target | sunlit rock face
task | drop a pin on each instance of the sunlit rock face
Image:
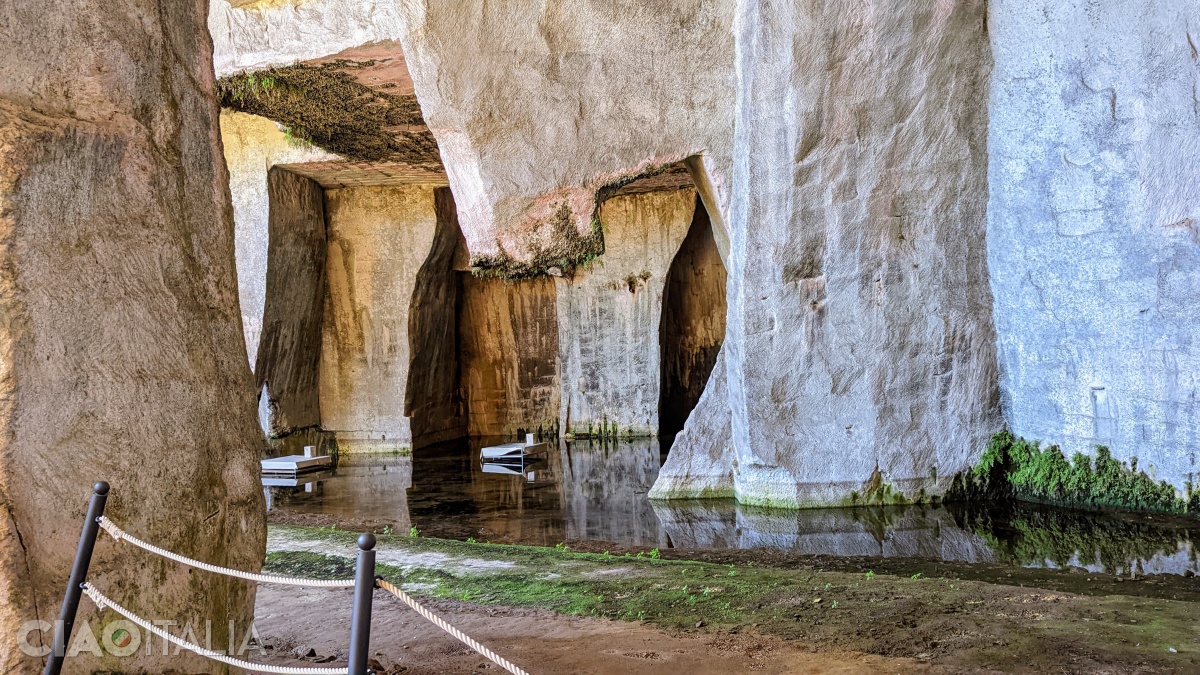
(537, 105)
(859, 334)
(252, 146)
(258, 33)
(1094, 246)
(120, 352)
(378, 238)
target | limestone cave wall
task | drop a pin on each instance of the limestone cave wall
(508, 342)
(537, 105)
(121, 357)
(1093, 241)
(434, 400)
(860, 339)
(252, 145)
(608, 316)
(378, 240)
(288, 363)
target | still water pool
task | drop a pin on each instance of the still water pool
(596, 492)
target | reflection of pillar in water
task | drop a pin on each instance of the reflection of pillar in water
(696, 524)
(604, 489)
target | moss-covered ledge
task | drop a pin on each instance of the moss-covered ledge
(325, 105)
(569, 249)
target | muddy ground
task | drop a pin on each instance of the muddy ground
(562, 611)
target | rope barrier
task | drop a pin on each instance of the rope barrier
(103, 602)
(121, 535)
(440, 623)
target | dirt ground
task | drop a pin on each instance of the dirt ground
(296, 620)
(557, 610)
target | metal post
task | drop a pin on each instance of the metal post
(364, 589)
(79, 570)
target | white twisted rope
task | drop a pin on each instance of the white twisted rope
(440, 623)
(121, 535)
(103, 602)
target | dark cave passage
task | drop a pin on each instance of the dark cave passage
(693, 323)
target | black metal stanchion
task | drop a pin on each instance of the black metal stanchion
(364, 589)
(79, 570)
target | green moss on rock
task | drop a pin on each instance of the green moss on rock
(1013, 467)
(324, 104)
(569, 249)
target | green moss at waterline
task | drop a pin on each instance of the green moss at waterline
(1014, 468)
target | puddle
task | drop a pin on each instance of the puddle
(596, 492)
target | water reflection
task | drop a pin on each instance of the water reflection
(597, 492)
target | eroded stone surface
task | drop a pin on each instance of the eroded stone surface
(266, 33)
(120, 354)
(1094, 247)
(609, 316)
(536, 106)
(288, 363)
(859, 335)
(252, 146)
(379, 237)
(509, 356)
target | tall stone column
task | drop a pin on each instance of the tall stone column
(121, 356)
(860, 349)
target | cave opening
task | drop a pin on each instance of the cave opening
(484, 350)
(692, 323)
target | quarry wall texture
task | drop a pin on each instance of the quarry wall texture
(288, 364)
(536, 105)
(1093, 234)
(938, 219)
(859, 346)
(121, 357)
(252, 146)
(378, 239)
(609, 315)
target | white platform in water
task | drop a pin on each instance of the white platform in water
(518, 449)
(293, 464)
(275, 479)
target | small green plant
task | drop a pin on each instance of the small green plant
(387, 529)
(413, 532)
(917, 576)
(471, 540)
(654, 554)
(834, 605)
(561, 546)
(870, 575)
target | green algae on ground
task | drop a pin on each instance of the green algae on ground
(946, 620)
(1014, 468)
(323, 104)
